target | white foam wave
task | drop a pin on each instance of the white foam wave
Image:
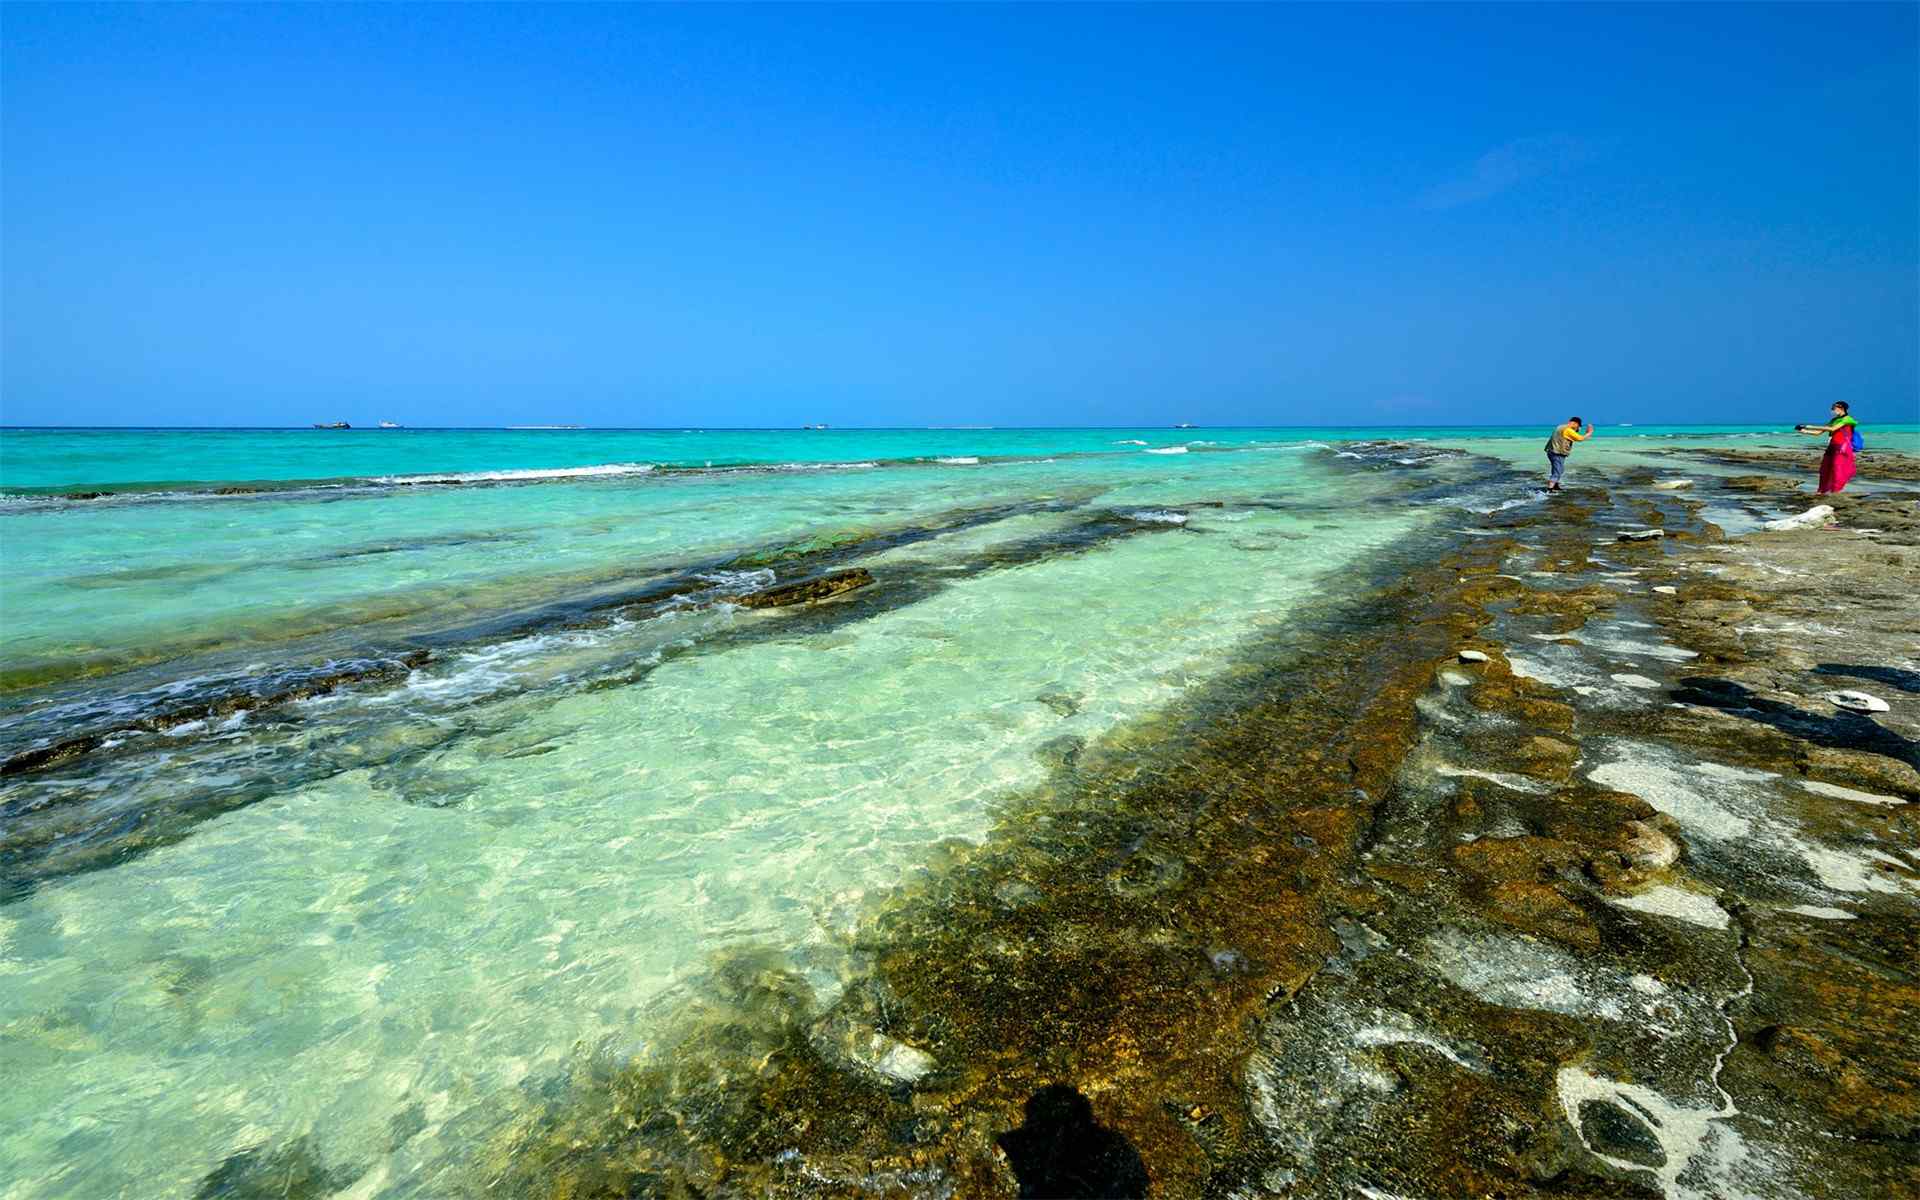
(521, 474)
(1166, 449)
(1504, 505)
(1158, 516)
(958, 461)
(1129, 442)
(738, 581)
(727, 586)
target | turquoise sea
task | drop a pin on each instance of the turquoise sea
(360, 781)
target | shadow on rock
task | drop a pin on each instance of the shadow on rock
(1900, 677)
(1062, 1152)
(1844, 731)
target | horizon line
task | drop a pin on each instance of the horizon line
(865, 428)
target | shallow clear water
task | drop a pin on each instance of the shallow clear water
(368, 914)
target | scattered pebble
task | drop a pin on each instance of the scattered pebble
(1666, 589)
(1641, 535)
(1673, 485)
(1472, 656)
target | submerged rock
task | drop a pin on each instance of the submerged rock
(217, 708)
(868, 1050)
(820, 587)
(290, 1172)
(1611, 1130)
(48, 756)
(1064, 703)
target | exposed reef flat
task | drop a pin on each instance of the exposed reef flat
(1875, 465)
(1617, 903)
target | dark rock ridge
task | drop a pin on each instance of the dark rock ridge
(804, 591)
(216, 709)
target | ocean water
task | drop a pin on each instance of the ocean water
(398, 771)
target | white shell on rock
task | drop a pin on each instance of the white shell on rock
(1641, 535)
(1667, 590)
(1472, 656)
(1817, 515)
(1858, 702)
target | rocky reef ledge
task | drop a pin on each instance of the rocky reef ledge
(1563, 865)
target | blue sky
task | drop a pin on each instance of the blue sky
(473, 215)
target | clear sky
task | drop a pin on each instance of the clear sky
(471, 215)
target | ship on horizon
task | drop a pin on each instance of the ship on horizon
(331, 425)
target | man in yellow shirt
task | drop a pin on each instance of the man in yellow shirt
(1559, 446)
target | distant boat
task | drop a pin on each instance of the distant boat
(390, 425)
(813, 427)
(332, 425)
(1184, 425)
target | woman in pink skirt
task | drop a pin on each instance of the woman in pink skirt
(1836, 466)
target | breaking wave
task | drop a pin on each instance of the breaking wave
(527, 474)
